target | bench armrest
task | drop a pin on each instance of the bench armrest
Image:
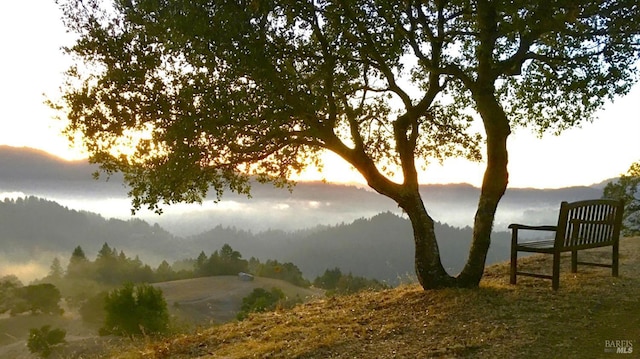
(515, 227)
(533, 228)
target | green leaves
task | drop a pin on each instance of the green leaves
(627, 188)
(44, 340)
(134, 310)
(187, 97)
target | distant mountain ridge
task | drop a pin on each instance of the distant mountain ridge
(353, 228)
(379, 247)
(20, 163)
(29, 164)
(37, 173)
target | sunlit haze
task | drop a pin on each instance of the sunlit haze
(31, 35)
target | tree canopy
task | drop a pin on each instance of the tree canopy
(185, 97)
(627, 188)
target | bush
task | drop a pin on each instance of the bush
(260, 300)
(42, 341)
(135, 310)
(38, 298)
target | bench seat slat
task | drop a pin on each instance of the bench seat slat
(536, 246)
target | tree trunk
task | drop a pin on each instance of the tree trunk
(494, 184)
(429, 270)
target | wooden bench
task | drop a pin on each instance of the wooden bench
(581, 225)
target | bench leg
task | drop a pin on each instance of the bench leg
(616, 259)
(574, 261)
(514, 266)
(555, 279)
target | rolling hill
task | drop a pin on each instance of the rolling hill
(496, 320)
(192, 303)
(215, 300)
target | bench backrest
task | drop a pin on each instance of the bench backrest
(591, 223)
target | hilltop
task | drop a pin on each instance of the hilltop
(497, 320)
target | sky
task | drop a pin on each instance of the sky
(31, 66)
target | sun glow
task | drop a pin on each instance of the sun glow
(33, 65)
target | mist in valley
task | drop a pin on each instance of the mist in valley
(273, 222)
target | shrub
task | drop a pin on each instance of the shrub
(135, 310)
(38, 298)
(260, 300)
(42, 341)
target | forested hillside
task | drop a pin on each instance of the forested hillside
(379, 247)
(30, 225)
(34, 173)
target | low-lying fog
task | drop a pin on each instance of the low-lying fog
(308, 206)
(289, 213)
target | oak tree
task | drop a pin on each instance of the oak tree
(627, 188)
(187, 97)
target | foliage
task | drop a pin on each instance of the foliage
(337, 283)
(627, 188)
(329, 280)
(386, 85)
(8, 292)
(42, 341)
(224, 262)
(56, 271)
(37, 298)
(260, 300)
(287, 272)
(109, 267)
(497, 320)
(164, 272)
(135, 310)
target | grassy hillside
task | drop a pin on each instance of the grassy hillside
(191, 302)
(495, 321)
(211, 300)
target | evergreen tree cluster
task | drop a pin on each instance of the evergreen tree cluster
(224, 262)
(228, 261)
(113, 268)
(287, 272)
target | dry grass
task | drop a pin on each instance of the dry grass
(495, 321)
(217, 299)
